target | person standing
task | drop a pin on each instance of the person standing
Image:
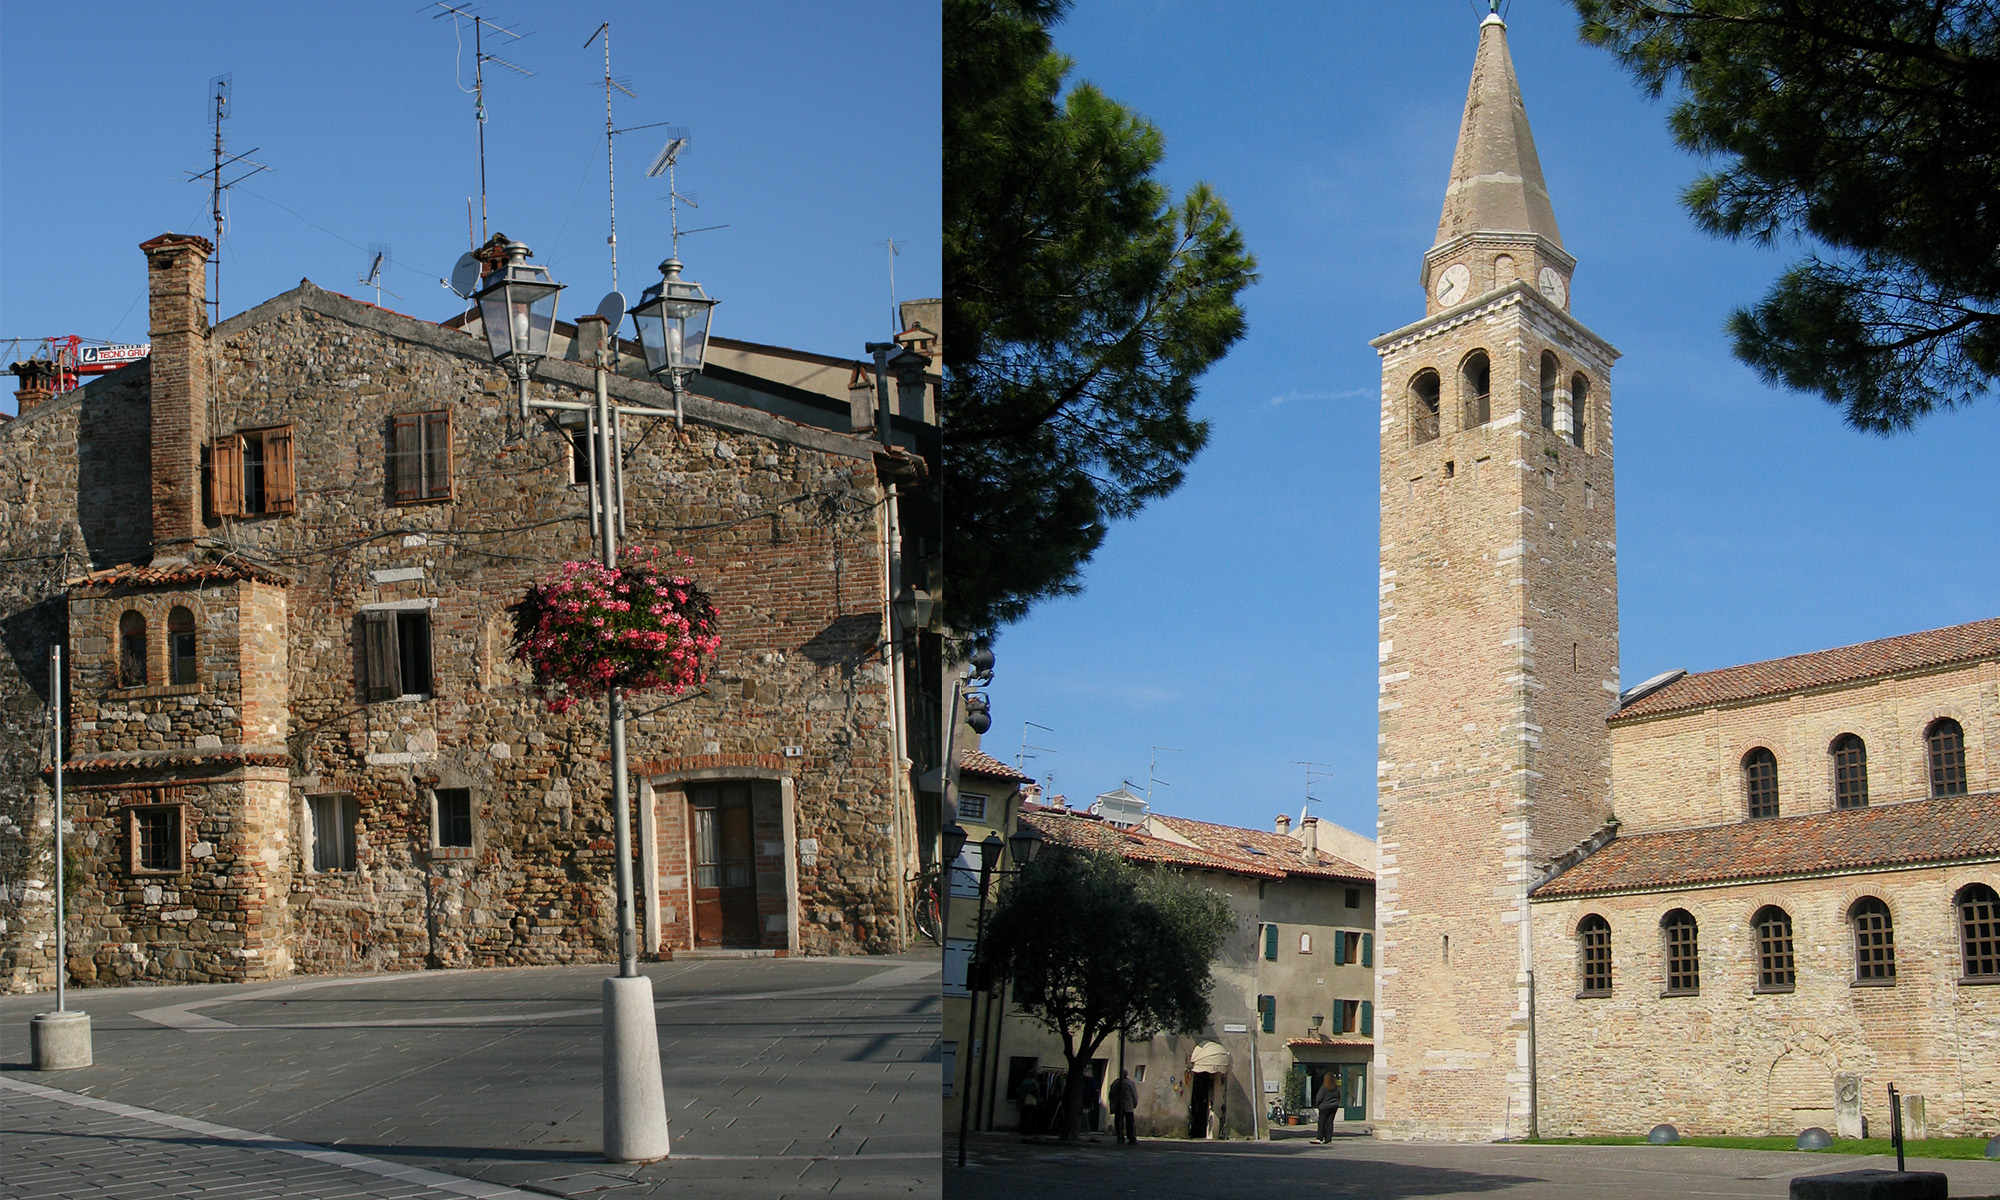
(1124, 1099)
(1327, 1101)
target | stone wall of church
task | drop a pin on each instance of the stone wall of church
(1686, 769)
(1732, 1059)
(1498, 633)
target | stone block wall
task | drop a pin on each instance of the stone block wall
(1734, 1060)
(1686, 769)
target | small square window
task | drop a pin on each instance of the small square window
(1354, 897)
(420, 457)
(454, 818)
(154, 836)
(251, 472)
(396, 654)
(971, 806)
(333, 821)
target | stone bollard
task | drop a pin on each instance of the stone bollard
(1847, 1120)
(59, 1041)
(1915, 1127)
(1872, 1185)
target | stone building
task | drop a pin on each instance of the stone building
(1294, 984)
(1714, 900)
(281, 554)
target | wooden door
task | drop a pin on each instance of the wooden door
(723, 848)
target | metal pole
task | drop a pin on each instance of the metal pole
(1534, 1081)
(628, 947)
(971, 1026)
(55, 724)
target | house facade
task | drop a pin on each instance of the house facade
(280, 556)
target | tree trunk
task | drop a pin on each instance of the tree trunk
(1073, 1094)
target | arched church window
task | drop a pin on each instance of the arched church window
(1979, 931)
(1946, 743)
(1760, 783)
(180, 646)
(1775, 966)
(1874, 941)
(1683, 955)
(1551, 373)
(1475, 385)
(1425, 393)
(1850, 772)
(131, 650)
(1593, 956)
(1579, 406)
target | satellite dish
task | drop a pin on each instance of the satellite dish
(465, 275)
(612, 309)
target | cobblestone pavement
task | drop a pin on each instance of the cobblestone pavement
(1002, 1166)
(784, 1077)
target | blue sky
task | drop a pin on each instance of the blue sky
(815, 131)
(1236, 620)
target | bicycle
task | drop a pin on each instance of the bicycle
(925, 906)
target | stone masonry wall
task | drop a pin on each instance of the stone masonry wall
(1498, 638)
(1686, 769)
(1732, 1060)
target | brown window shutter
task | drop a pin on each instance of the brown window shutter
(437, 455)
(381, 667)
(280, 493)
(406, 457)
(225, 476)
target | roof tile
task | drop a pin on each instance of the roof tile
(1263, 844)
(978, 762)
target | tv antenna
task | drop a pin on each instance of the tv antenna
(1316, 772)
(895, 312)
(219, 90)
(1021, 759)
(479, 60)
(663, 164)
(610, 137)
(378, 257)
(1153, 772)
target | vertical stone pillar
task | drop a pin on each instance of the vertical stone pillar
(1847, 1120)
(177, 299)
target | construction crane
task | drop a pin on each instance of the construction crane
(62, 360)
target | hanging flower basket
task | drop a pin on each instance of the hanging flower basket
(641, 626)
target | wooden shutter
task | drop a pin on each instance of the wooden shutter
(1271, 943)
(1267, 1008)
(280, 492)
(437, 455)
(1367, 949)
(1368, 1018)
(406, 457)
(225, 476)
(381, 666)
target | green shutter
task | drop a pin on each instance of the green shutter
(1271, 943)
(1267, 1006)
(1367, 949)
(1367, 1018)
(1339, 949)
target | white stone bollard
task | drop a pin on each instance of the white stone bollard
(59, 1041)
(635, 1102)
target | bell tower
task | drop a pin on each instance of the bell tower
(1499, 626)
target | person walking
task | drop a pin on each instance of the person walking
(1327, 1101)
(1124, 1099)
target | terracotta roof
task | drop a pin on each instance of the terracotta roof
(1082, 831)
(1264, 845)
(978, 762)
(134, 575)
(1822, 668)
(150, 760)
(1914, 833)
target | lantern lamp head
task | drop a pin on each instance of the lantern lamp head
(517, 308)
(673, 318)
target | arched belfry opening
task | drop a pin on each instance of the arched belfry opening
(1475, 381)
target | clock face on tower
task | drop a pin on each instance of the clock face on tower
(1453, 284)
(1552, 287)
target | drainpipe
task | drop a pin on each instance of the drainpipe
(892, 539)
(1534, 1084)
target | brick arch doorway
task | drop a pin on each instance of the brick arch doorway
(719, 858)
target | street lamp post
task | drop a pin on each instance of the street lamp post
(517, 311)
(1022, 846)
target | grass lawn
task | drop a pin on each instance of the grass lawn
(1966, 1147)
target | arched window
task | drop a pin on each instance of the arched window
(1551, 372)
(1579, 405)
(1774, 949)
(1874, 941)
(1683, 955)
(180, 646)
(1979, 931)
(1476, 387)
(1424, 393)
(1593, 956)
(1760, 783)
(1305, 943)
(1850, 772)
(1946, 742)
(131, 650)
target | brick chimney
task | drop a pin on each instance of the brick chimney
(177, 301)
(38, 383)
(1284, 824)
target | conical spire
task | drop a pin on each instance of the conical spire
(1496, 179)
